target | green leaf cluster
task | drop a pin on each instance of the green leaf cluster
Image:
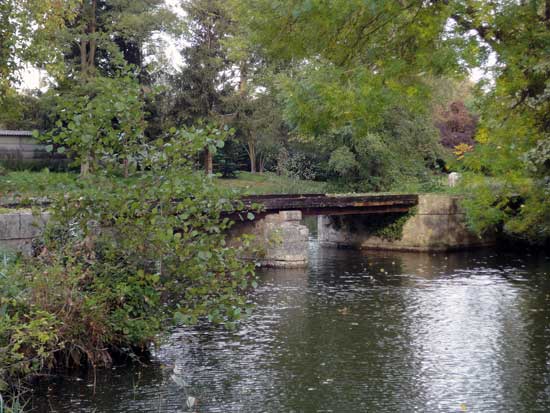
(99, 122)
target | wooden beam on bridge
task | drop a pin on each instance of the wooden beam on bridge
(321, 204)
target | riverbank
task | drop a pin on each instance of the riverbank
(111, 275)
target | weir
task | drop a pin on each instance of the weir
(430, 223)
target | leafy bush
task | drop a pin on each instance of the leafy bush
(403, 147)
(342, 161)
(297, 165)
(230, 159)
(119, 262)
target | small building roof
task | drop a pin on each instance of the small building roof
(7, 132)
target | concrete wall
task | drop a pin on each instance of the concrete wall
(438, 225)
(19, 228)
(280, 239)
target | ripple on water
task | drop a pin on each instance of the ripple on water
(355, 332)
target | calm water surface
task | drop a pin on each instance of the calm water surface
(356, 332)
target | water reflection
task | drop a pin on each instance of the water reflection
(356, 332)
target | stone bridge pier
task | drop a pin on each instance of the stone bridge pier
(280, 240)
(436, 223)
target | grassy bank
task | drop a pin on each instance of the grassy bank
(25, 184)
(270, 183)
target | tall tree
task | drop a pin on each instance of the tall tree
(103, 41)
(108, 34)
(205, 77)
(352, 59)
(7, 40)
(257, 119)
(351, 62)
(514, 133)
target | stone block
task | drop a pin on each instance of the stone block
(32, 226)
(18, 229)
(17, 245)
(438, 205)
(280, 239)
(10, 226)
(290, 215)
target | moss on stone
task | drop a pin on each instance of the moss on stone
(390, 227)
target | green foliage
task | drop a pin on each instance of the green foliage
(7, 41)
(356, 59)
(26, 184)
(24, 25)
(343, 162)
(121, 260)
(390, 227)
(230, 159)
(296, 164)
(358, 77)
(203, 81)
(257, 119)
(99, 121)
(403, 151)
(109, 34)
(508, 174)
(21, 112)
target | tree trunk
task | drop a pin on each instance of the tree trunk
(87, 67)
(85, 165)
(252, 155)
(83, 60)
(252, 165)
(243, 81)
(208, 162)
(88, 44)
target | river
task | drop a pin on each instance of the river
(355, 332)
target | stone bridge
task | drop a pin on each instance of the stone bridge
(427, 223)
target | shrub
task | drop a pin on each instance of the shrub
(119, 264)
(296, 165)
